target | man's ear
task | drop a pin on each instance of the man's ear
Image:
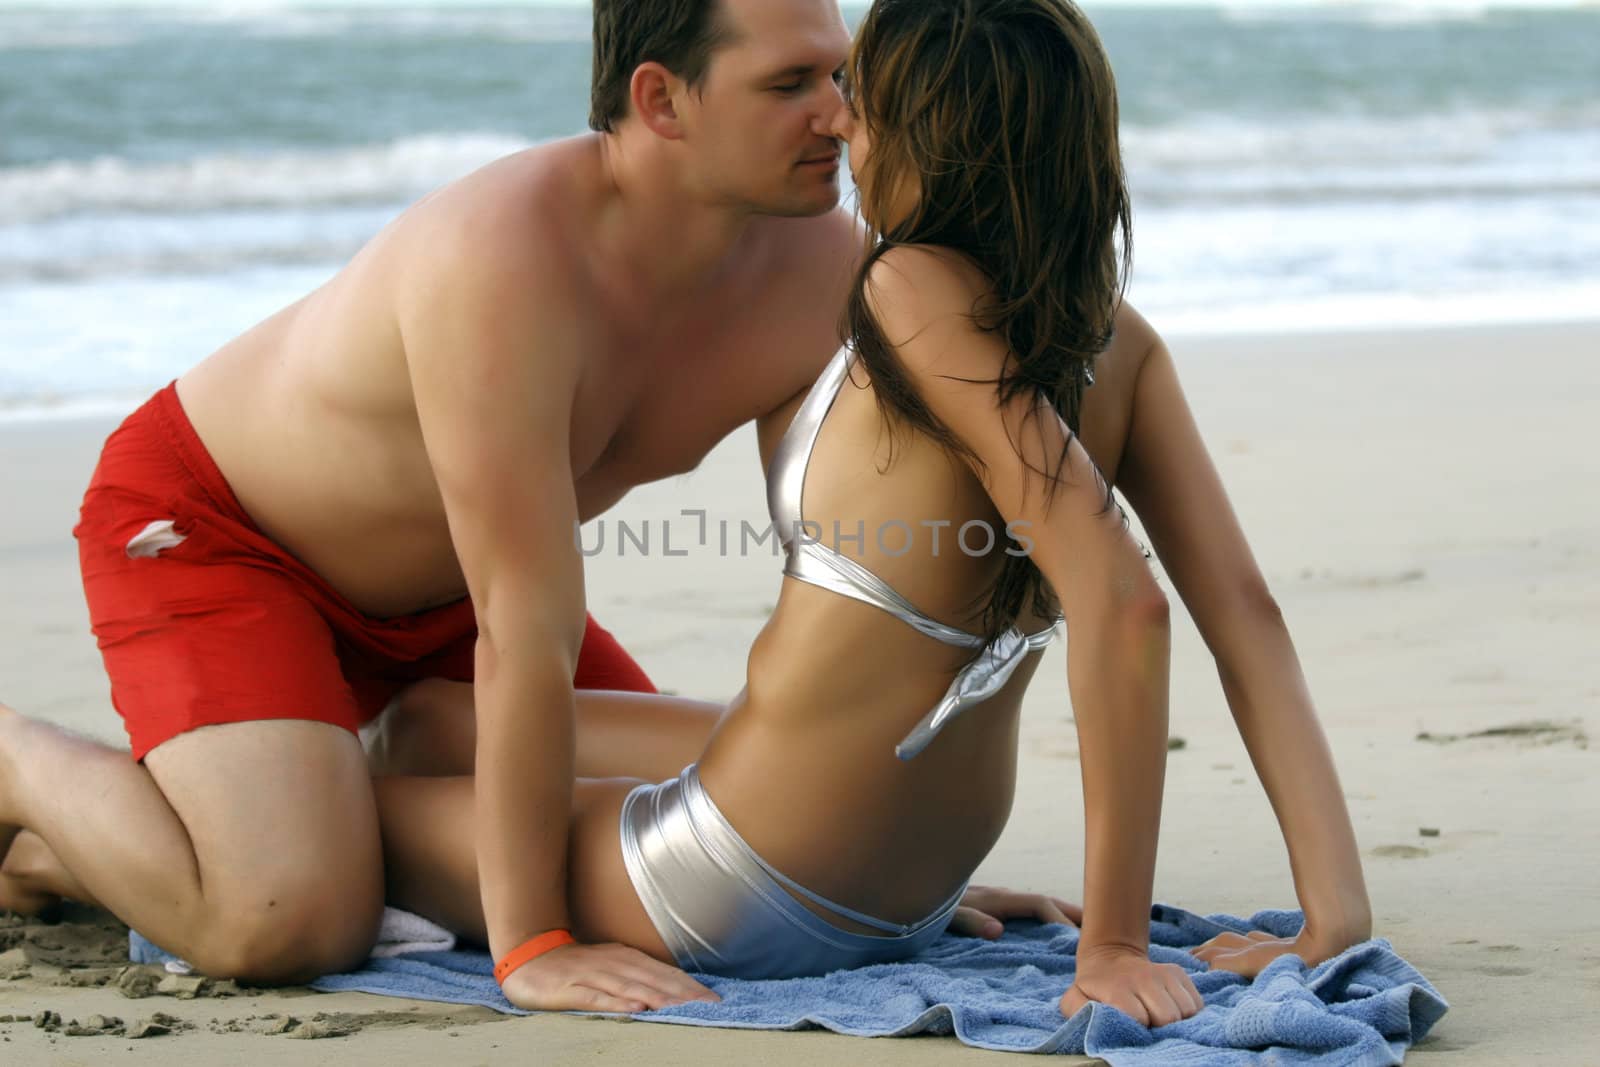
(655, 92)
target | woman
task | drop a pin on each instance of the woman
(833, 819)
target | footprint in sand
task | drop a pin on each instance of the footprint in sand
(1432, 1043)
(1364, 580)
(1479, 677)
(1404, 852)
(1504, 972)
(1537, 731)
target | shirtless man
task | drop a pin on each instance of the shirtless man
(273, 547)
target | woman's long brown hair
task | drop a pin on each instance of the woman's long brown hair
(1002, 115)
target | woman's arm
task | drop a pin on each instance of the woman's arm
(1117, 616)
(1169, 479)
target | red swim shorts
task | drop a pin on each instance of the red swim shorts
(202, 619)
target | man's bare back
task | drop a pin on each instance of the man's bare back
(312, 418)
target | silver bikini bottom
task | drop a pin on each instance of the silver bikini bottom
(721, 909)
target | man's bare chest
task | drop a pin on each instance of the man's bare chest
(666, 387)
(645, 420)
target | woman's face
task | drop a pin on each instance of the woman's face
(850, 127)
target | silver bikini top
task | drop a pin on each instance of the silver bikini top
(811, 561)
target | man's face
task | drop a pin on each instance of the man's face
(762, 124)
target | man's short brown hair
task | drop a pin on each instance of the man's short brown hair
(681, 35)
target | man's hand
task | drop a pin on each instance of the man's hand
(984, 910)
(611, 978)
(1248, 954)
(1154, 994)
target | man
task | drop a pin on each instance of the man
(270, 549)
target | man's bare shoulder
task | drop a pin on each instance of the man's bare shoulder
(516, 216)
(484, 275)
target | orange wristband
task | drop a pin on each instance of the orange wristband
(531, 949)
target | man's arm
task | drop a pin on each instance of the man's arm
(1170, 480)
(494, 366)
(1116, 614)
(494, 389)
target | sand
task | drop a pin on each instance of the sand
(1424, 505)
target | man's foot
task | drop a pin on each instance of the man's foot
(26, 863)
(24, 868)
(8, 829)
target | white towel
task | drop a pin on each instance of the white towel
(402, 932)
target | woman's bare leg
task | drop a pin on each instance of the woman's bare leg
(432, 869)
(422, 755)
(431, 731)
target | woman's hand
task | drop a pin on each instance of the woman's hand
(984, 909)
(1153, 994)
(1249, 954)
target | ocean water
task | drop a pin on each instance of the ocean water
(167, 178)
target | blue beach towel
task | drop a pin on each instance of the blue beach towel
(1363, 1008)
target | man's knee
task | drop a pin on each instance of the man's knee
(292, 935)
(288, 880)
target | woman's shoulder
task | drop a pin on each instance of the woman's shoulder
(924, 276)
(1132, 333)
(923, 299)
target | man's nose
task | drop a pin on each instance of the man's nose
(836, 123)
(831, 101)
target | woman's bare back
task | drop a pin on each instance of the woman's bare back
(804, 764)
